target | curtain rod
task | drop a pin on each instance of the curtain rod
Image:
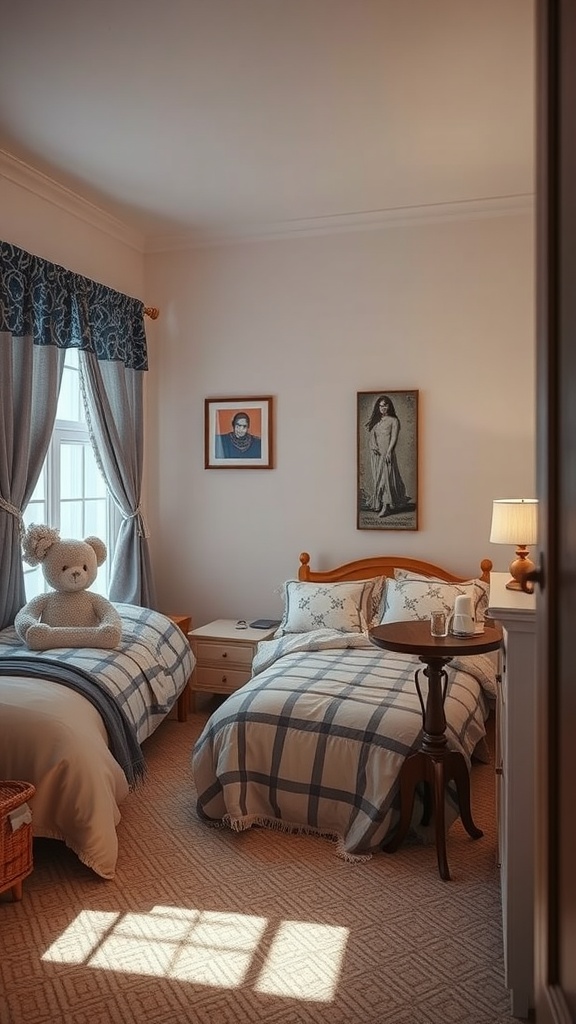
(152, 312)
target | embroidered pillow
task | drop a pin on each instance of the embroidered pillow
(347, 607)
(415, 599)
(481, 596)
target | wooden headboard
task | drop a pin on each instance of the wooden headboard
(380, 565)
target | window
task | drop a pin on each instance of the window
(71, 493)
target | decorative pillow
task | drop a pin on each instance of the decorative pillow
(347, 607)
(373, 599)
(481, 600)
(415, 599)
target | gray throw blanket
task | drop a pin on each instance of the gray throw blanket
(121, 737)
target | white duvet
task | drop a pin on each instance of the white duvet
(57, 741)
(55, 738)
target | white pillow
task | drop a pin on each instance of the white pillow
(415, 599)
(481, 600)
(347, 607)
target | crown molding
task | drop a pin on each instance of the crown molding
(371, 220)
(39, 184)
(51, 191)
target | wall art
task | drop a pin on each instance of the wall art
(238, 433)
(387, 462)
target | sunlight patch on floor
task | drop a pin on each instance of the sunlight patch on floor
(303, 960)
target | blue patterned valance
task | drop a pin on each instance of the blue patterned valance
(57, 307)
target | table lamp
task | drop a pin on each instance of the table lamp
(515, 521)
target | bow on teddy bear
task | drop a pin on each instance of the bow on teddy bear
(72, 616)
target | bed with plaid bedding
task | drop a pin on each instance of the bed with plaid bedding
(315, 741)
(55, 737)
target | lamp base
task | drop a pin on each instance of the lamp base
(513, 585)
(519, 568)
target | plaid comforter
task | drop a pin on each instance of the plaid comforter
(315, 741)
(144, 675)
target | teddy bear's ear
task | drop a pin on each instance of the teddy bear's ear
(37, 542)
(99, 548)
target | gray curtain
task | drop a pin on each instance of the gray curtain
(113, 396)
(27, 371)
(45, 309)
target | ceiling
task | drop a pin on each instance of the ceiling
(194, 117)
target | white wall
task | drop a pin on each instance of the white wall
(446, 308)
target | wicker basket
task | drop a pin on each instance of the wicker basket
(15, 846)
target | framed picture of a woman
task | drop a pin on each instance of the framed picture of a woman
(238, 433)
(387, 491)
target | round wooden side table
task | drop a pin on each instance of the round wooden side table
(433, 763)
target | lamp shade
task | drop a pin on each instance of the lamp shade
(514, 521)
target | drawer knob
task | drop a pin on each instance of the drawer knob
(224, 680)
(225, 654)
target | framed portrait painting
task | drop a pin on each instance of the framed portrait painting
(387, 488)
(238, 433)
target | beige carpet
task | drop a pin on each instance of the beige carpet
(207, 926)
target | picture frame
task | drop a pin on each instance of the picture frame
(238, 433)
(387, 460)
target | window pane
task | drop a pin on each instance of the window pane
(71, 470)
(70, 405)
(35, 513)
(95, 485)
(96, 517)
(34, 582)
(40, 489)
(72, 519)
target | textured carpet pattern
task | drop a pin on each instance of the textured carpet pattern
(207, 926)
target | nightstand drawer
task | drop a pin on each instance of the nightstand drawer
(239, 654)
(218, 680)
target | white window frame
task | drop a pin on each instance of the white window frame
(46, 503)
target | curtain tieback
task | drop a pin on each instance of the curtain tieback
(13, 511)
(142, 525)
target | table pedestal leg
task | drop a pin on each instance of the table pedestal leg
(434, 765)
(457, 769)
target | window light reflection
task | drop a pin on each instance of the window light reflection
(304, 959)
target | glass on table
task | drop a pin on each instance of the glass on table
(438, 624)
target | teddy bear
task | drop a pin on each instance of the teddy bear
(71, 616)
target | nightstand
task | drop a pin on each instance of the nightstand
(185, 698)
(223, 655)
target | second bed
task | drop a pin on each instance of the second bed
(315, 740)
